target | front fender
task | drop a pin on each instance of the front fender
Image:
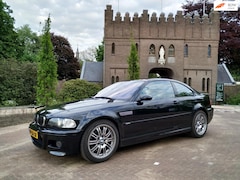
(99, 114)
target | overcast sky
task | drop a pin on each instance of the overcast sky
(82, 21)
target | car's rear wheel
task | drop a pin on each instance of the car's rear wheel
(99, 142)
(199, 124)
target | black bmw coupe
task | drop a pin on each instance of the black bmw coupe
(122, 114)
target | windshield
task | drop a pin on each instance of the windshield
(120, 90)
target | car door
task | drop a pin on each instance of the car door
(185, 100)
(150, 116)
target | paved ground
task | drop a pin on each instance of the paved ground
(216, 156)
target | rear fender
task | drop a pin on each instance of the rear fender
(198, 107)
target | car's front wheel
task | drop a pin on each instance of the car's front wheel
(199, 124)
(99, 142)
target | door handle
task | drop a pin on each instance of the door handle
(175, 102)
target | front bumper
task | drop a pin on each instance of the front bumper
(56, 142)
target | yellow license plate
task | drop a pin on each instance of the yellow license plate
(33, 133)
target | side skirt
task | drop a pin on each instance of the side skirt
(152, 136)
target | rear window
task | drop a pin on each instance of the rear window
(182, 90)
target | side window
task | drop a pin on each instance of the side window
(182, 90)
(158, 90)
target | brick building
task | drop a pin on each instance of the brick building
(181, 47)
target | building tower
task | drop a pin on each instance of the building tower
(77, 54)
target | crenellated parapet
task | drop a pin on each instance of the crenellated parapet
(146, 26)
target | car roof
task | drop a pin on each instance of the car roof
(159, 79)
(153, 79)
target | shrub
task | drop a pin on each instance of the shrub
(9, 103)
(77, 89)
(18, 80)
(234, 100)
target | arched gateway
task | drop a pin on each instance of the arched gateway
(161, 72)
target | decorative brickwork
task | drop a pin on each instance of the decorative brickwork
(181, 47)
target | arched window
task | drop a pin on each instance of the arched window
(209, 50)
(186, 50)
(171, 51)
(189, 81)
(203, 84)
(113, 48)
(117, 79)
(185, 80)
(208, 84)
(136, 46)
(152, 49)
(113, 79)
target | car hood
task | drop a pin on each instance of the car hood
(80, 107)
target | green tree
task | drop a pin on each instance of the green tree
(68, 65)
(133, 63)
(9, 44)
(30, 42)
(47, 69)
(100, 52)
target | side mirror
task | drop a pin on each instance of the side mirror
(144, 98)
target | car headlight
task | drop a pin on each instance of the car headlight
(62, 123)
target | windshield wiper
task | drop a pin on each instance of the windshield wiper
(102, 97)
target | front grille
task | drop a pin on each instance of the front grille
(40, 120)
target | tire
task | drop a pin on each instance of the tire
(99, 141)
(199, 124)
